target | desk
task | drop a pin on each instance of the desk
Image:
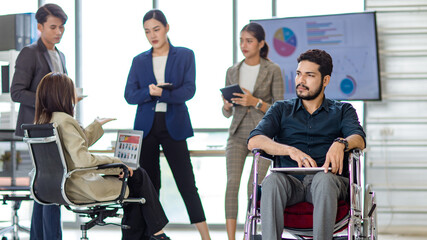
(193, 153)
(8, 135)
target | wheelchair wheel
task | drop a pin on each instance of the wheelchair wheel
(251, 223)
(370, 214)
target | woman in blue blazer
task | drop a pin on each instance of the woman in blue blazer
(160, 81)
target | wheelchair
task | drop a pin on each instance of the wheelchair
(358, 216)
(51, 174)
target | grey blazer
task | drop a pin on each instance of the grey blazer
(32, 64)
(269, 87)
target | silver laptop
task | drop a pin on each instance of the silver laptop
(128, 147)
(299, 170)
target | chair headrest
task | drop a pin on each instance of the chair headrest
(47, 126)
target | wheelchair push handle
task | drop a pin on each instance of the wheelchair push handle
(257, 150)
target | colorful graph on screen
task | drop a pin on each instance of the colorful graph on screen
(325, 33)
(285, 42)
(289, 81)
(349, 38)
(348, 85)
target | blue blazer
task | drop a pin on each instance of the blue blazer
(181, 72)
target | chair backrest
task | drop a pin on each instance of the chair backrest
(47, 186)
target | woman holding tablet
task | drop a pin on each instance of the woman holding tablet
(162, 113)
(262, 83)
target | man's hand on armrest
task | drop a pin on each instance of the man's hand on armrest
(335, 157)
(335, 154)
(274, 148)
(355, 141)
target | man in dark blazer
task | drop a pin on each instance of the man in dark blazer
(33, 63)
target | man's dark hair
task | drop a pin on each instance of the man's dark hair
(50, 9)
(156, 14)
(320, 57)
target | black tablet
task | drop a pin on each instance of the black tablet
(168, 86)
(228, 91)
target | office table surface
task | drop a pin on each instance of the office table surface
(8, 135)
(193, 153)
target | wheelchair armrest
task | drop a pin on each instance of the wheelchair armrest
(356, 151)
(355, 180)
(257, 150)
(354, 165)
(263, 154)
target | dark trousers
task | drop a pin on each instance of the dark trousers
(46, 222)
(178, 158)
(143, 219)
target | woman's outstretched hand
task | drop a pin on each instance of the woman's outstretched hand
(103, 121)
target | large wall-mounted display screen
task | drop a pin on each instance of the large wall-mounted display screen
(351, 39)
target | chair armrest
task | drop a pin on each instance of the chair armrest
(106, 166)
(112, 165)
(47, 126)
(124, 179)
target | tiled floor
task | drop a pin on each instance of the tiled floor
(193, 234)
(114, 233)
(108, 233)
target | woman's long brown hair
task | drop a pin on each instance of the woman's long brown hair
(55, 93)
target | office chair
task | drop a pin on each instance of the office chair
(16, 200)
(51, 175)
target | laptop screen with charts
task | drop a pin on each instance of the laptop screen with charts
(128, 147)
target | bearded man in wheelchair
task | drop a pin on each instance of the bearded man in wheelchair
(307, 132)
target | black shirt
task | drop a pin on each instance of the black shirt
(289, 123)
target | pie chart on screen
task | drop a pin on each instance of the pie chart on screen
(285, 41)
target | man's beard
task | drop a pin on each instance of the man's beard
(310, 96)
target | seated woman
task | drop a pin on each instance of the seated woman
(55, 101)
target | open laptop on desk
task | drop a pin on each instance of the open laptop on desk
(128, 147)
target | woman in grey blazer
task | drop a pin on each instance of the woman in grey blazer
(262, 82)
